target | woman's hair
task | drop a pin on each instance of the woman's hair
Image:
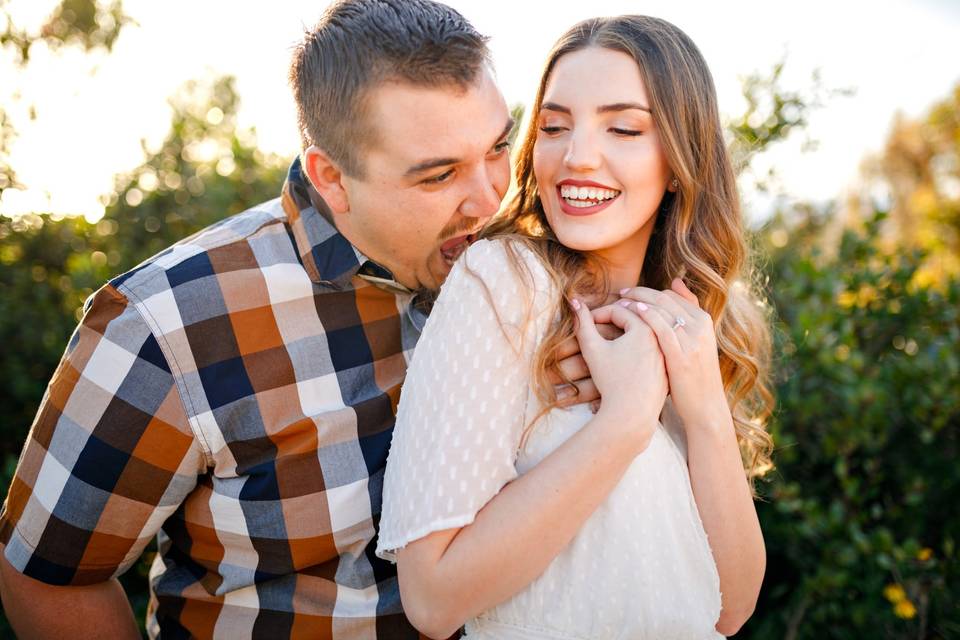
(698, 234)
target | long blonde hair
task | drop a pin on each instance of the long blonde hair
(698, 234)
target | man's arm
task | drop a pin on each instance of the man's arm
(39, 610)
(109, 456)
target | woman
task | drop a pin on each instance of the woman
(624, 187)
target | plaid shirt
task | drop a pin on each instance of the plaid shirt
(234, 396)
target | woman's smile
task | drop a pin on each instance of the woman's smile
(584, 197)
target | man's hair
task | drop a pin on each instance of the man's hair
(360, 44)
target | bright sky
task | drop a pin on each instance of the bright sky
(88, 127)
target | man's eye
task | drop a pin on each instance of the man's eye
(503, 146)
(626, 132)
(443, 177)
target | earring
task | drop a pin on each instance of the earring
(674, 184)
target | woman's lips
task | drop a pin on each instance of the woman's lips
(581, 209)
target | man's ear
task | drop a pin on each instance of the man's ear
(326, 178)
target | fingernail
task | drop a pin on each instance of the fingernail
(624, 303)
(575, 304)
(624, 290)
(641, 306)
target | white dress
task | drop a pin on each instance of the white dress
(640, 567)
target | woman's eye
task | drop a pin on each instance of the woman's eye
(551, 130)
(443, 177)
(626, 132)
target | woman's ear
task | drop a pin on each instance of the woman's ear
(327, 178)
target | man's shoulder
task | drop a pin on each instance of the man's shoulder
(231, 243)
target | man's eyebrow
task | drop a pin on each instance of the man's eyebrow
(433, 163)
(426, 165)
(607, 108)
(511, 123)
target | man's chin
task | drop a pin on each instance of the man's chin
(438, 271)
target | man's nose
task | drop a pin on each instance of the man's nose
(485, 195)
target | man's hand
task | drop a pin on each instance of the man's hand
(38, 610)
(574, 367)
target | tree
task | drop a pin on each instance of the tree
(773, 114)
(920, 169)
(86, 24)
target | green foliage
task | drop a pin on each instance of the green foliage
(205, 170)
(859, 516)
(8, 177)
(920, 169)
(47, 267)
(87, 24)
(772, 115)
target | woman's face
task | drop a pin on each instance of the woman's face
(598, 159)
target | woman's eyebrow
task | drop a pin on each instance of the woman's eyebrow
(553, 106)
(622, 106)
(606, 108)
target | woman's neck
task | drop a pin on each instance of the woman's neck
(623, 263)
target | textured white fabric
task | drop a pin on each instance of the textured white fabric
(640, 567)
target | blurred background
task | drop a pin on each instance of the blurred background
(125, 126)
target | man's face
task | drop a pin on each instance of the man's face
(434, 175)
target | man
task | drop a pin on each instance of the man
(235, 394)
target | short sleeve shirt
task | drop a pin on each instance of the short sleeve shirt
(235, 397)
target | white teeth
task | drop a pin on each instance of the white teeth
(586, 196)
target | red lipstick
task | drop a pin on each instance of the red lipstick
(572, 210)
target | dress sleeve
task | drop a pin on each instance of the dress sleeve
(462, 409)
(109, 457)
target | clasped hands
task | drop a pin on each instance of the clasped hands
(671, 319)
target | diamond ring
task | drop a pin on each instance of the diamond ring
(679, 322)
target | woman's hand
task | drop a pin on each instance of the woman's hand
(688, 341)
(574, 368)
(629, 370)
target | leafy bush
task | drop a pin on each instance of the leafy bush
(860, 515)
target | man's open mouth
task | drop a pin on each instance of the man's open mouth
(452, 248)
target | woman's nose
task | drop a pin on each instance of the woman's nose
(582, 152)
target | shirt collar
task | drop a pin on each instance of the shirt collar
(327, 256)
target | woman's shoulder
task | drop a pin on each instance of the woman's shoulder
(503, 259)
(510, 274)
